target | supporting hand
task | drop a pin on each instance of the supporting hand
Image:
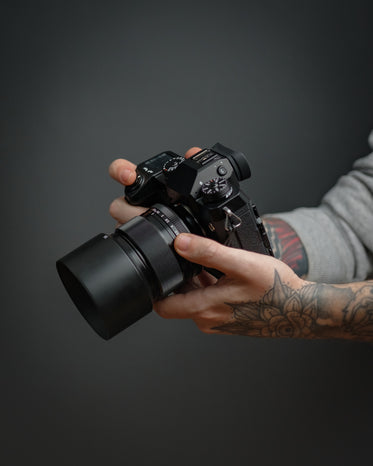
(256, 296)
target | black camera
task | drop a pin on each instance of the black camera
(114, 279)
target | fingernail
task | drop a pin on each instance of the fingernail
(125, 176)
(182, 242)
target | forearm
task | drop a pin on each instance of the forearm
(286, 245)
(337, 234)
(316, 310)
(312, 311)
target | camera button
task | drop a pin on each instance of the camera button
(222, 170)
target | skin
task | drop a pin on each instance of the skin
(258, 295)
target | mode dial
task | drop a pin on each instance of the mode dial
(216, 189)
(172, 164)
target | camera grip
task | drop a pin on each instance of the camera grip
(251, 234)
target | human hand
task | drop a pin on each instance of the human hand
(124, 172)
(258, 295)
(238, 302)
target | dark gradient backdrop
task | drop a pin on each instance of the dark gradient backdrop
(290, 84)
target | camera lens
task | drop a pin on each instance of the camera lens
(113, 279)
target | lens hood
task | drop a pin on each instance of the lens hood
(107, 284)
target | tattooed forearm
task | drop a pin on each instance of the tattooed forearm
(287, 245)
(313, 311)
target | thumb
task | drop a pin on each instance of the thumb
(212, 254)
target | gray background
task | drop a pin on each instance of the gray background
(288, 83)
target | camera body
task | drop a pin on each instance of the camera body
(207, 187)
(114, 279)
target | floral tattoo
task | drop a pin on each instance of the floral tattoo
(308, 312)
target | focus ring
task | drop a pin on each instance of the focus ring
(170, 219)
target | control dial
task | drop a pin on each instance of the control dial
(216, 189)
(172, 164)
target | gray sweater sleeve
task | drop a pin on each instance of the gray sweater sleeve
(338, 235)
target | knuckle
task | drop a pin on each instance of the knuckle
(207, 316)
(162, 313)
(205, 329)
(205, 320)
(200, 311)
(210, 250)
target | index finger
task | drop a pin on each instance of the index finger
(188, 305)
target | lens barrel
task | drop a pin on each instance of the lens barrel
(113, 279)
